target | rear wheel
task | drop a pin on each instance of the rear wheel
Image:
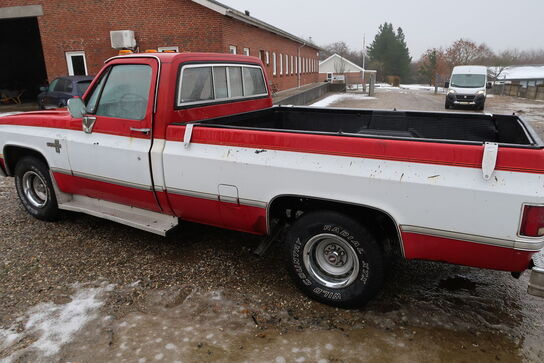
(447, 105)
(35, 188)
(334, 259)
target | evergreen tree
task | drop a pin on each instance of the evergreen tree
(389, 53)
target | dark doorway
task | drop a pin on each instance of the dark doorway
(22, 66)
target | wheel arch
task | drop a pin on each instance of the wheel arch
(381, 221)
(14, 153)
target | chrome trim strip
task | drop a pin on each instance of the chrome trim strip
(61, 171)
(458, 236)
(490, 241)
(210, 196)
(253, 203)
(226, 199)
(191, 193)
(112, 181)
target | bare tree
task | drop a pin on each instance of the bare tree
(340, 65)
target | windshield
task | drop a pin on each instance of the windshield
(468, 80)
(82, 87)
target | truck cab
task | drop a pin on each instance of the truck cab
(467, 87)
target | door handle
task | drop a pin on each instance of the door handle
(143, 131)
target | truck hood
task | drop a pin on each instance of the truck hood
(54, 118)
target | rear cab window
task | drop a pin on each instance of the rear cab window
(210, 83)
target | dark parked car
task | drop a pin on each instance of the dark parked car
(61, 90)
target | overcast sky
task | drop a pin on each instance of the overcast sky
(501, 24)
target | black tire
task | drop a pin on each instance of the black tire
(447, 106)
(325, 230)
(38, 197)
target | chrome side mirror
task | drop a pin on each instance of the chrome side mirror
(76, 107)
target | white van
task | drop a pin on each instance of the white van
(467, 87)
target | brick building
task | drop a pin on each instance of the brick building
(50, 38)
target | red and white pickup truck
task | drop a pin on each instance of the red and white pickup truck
(160, 138)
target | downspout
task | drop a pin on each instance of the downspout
(299, 65)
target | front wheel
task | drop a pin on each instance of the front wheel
(334, 259)
(35, 188)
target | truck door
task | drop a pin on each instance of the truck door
(109, 153)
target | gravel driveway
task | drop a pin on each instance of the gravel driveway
(88, 290)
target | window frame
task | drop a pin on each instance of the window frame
(246, 52)
(233, 49)
(70, 65)
(281, 64)
(181, 105)
(274, 64)
(267, 57)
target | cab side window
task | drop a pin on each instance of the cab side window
(126, 92)
(122, 93)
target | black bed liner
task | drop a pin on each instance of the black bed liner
(424, 126)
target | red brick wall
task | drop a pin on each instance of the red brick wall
(76, 25)
(84, 25)
(243, 36)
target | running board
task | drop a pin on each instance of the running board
(134, 217)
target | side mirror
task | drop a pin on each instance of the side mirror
(43, 89)
(488, 85)
(76, 107)
(447, 85)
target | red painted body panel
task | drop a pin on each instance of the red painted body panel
(219, 214)
(424, 247)
(138, 198)
(3, 164)
(509, 159)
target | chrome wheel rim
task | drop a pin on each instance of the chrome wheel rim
(331, 260)
(35, 189)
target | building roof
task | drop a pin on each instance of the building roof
(328, 65)
(246, 18)
(522, 72)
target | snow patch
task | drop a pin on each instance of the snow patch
(332, 99)
(55, 325)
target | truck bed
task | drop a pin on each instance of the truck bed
(473, 128)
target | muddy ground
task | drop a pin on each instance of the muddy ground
(88, 290)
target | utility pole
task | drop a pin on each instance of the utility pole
(364, 56)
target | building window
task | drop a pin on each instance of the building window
(267, 58)
(77, 65)
(168, 49)
(232, 49)
(292, 63)
(274, 70)
(296, 64)
(281, 64)
(286, 64)
(246, 51)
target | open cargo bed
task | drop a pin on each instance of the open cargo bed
(473, 128)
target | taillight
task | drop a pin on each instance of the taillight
(532, 223)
